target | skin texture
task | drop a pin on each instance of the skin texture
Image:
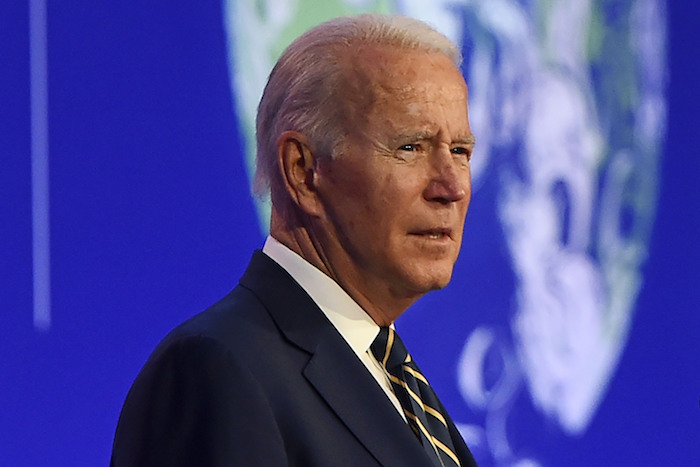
(384, 218)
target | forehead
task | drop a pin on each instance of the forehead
(405, 79)
(412, 86)
(395, 70)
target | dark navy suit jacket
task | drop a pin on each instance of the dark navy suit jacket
(262, 378)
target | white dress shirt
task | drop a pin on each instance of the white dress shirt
(352, 322)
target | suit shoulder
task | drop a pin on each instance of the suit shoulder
(233, 315)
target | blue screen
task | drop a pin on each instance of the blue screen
(570, 333)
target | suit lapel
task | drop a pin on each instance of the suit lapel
(333, 369)
(356, 398)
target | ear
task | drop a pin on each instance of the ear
(298, 166)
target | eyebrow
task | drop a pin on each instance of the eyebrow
(466, 140)
(416, 136)
(428, 135)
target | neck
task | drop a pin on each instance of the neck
(297, 235)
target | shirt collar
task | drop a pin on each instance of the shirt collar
(352, 322)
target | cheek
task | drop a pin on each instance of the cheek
(398, 202)
(374, 212)
(355, 204)
(390, 197)
(372, 191)
(374, 200)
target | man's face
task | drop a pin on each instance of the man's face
(396, 195)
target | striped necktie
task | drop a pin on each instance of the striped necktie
(419, 402)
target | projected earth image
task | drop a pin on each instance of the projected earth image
(567, 101)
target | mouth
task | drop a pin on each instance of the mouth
(434, 234)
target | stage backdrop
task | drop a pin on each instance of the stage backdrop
(570, 334)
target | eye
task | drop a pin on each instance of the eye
(410, 147)
(462, 152)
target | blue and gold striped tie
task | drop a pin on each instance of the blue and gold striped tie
(419, 402)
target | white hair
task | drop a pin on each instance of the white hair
(315, 90)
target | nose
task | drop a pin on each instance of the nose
(450, 179)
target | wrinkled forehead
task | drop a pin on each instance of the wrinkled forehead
(406, 75)
(380, 75)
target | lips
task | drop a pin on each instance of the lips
(437, 233)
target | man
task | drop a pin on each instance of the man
(364, 144)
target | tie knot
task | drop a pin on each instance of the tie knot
(388, 349)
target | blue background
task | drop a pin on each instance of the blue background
(151, 222)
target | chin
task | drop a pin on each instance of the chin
(416, 278)
(434, 281)
(441, 284)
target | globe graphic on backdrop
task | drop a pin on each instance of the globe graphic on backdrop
(567, 102)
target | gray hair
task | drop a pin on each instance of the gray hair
(315, 90)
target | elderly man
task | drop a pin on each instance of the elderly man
(364, 145)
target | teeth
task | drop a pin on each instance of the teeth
(434, 235)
